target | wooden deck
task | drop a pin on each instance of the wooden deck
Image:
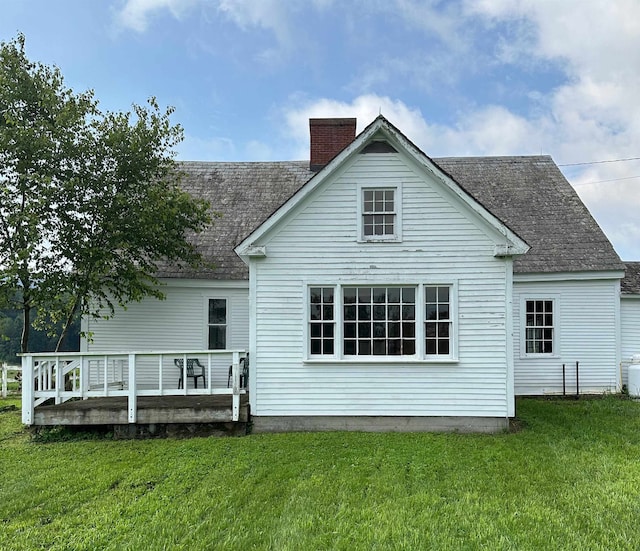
(150, 410)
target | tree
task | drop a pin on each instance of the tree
(90, 203)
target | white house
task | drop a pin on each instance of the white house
(377, 288)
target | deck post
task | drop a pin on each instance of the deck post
(235, 378)
(5, 367)
(59, 383)
(84, 376)
(132, 403)
(27, 390)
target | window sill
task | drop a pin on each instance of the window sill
(380, 240)
(539, 356)
(380, 360)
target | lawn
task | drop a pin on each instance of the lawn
(569, 479)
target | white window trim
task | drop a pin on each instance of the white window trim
(555, 299)
(397, 201)
(419, 357)
(205, 334)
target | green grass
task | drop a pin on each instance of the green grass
(569, 480)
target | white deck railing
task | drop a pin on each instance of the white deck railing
(63, 376)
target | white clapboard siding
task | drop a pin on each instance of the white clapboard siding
(441, 243)
(630, 331)
(177, 323)
(585, 325)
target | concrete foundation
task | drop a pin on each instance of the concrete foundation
(379, 424)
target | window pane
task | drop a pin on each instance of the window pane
(409, 295)
(443, 346)
(349, 296)
(394, 347)
(364, 294)
(316, 330)
(217, 337)
(394, 295)
(408, 346)
(349, 348)
(379, 296)
(327, 331)
(364, 348)
(379, 347)
(443, 294)
(408, 312)
(350, 330)
(364, 330)
(431, 294)
(316, 346)
(443, 312)
(217, 310)
(314, 312)
(379, 330)
(327, 346)
(364, 312)
(327, 295)
(408, 329)
(327, 312)
(432, 311)
(349, 313)
(393, 329)
(431, 346)
(379, 313)
(315, 294)
(393, 313)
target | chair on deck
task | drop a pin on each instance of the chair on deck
(244, 373)
(194, 369)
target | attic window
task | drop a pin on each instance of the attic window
(379, 213)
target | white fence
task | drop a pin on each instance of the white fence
(63, 376)
(5, 368)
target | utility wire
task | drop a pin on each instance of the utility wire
(604, 181)
(600, 162)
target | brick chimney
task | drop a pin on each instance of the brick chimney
(328, 138)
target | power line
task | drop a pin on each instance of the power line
(604, 181)
(600, 162)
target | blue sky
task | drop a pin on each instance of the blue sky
(458, 77)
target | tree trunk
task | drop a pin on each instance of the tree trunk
(26, 325)
(67, 324)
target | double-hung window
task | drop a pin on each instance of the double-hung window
(379, 213)
(321, 320)
(358, 321)
(539, 327)
(217, 324)
(438, 322)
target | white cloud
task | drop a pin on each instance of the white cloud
(490, 131)
(595, 115)
(135, 14)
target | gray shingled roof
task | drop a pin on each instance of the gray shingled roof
(630, 283)
(533, 198)
(244, 195)
(529, 194)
